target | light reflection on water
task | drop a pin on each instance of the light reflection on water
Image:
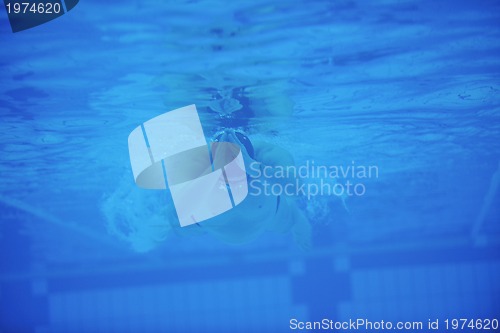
(400, 86)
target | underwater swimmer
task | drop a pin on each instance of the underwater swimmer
(260, 211)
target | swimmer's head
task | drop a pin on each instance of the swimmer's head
(238, 137)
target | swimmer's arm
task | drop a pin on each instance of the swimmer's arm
(301, 230)
(290, 217)
(273, 156)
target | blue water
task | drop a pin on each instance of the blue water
(407, 86)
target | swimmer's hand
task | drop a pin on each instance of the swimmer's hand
(302, 232)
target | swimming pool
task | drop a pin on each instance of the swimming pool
(409, 88)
